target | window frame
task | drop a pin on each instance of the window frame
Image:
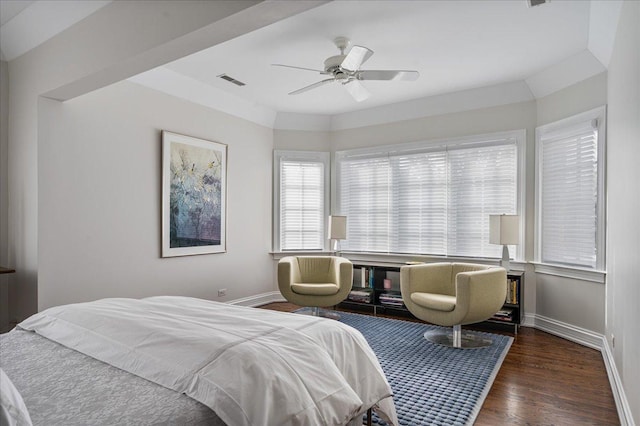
(596, 273)
(305, 156)
(479, 140)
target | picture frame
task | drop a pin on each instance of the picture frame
(194, 195)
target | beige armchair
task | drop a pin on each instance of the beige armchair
(453, 294)
(315, 281)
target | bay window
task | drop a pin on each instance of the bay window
(430, 198)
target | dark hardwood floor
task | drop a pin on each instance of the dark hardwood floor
(544, 380)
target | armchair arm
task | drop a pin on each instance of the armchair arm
(481, 293)
(343, 268)
(288, 273)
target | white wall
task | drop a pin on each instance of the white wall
(484, 120)
(574, 302)
(583, 96)
(100, 197)
(88, 56)
(89, 53)
(4, 191)
(571, 301)
(301, 140)
(623, 175)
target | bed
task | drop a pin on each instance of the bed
(179, 360)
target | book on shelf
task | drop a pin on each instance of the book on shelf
(503, 315)
(367, 277)
(512, 292)
(503, 319)
(359, 296)
(391, 299)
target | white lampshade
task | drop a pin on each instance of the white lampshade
(504, 229)
(337, 227)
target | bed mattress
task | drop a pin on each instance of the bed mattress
(75, 389)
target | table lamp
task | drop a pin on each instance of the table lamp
(337, 230)
(503, 229)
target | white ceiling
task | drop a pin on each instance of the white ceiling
(455, 45)
(10, 8)
(25, 24)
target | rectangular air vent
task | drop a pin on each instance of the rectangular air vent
(532, 3)
(231, 80)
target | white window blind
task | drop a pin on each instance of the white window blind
(365, 202)
(428, 200)
(482, 182)
(419, 203)
(302, 201)
(569, 195)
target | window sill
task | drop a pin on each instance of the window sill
(568, 272)
(395, 259)
(277, 255)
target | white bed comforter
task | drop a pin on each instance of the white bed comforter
(251, 366)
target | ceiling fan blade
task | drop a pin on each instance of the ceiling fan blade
(357, 90)
(299, 68)
(387, 75)
(357, 56)
(312, 86)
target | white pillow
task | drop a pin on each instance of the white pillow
(13, 411)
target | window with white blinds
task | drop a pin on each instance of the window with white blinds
(419, 188)
(365, 194)
(302, 200)
(427, 199)
(570, 191)
(483, 181)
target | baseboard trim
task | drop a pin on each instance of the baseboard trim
(529, 320)
(570, 332)
(622, 403)
(596, 341)
(259, 299)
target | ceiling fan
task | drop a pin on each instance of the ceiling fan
(345, 69)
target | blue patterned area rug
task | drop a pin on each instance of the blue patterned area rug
(432, 384)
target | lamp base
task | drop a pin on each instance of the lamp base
(336, 246)
(505, 258)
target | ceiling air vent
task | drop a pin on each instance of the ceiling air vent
(532, 3)
(238, 82)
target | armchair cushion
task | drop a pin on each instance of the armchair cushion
(318, 289)
(438, 302)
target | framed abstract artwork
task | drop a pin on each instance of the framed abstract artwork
(194, 195)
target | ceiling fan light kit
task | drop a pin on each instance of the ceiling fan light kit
(345, 69)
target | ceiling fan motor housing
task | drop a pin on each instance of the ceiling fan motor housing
(332, 64)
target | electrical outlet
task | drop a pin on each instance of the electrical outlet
(222, 292)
